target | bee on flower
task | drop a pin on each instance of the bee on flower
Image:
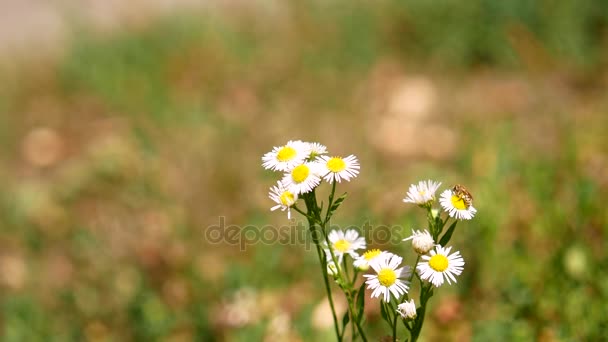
(458, 203)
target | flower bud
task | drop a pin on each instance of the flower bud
(422, 242)
(407, 309)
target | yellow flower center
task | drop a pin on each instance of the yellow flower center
(372, 253)
(287, 198)
(336, 164)
(458, 202)
(438, 262)
(286, 153)
(300, 173)
(387, 277)
(342, 245)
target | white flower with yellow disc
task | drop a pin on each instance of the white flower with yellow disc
(338, 168)
(286, 157)
(284, 198)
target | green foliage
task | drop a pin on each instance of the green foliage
(163, 126)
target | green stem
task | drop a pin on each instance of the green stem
(395, 327)
(328, 290)
(312, 209)
(361, 333)
(331, 202)
(424, 297)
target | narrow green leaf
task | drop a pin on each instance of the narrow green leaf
(360, 302)
(448, 234)
(438, 225)
(345, 319)
(336, 204)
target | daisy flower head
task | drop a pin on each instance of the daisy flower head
(389, 278)
(362, 262)
(422, 242)
(440, 264)
(422, 193)
(407, 309)
(286, 157)
(344, 243)
(283, 198)
(458, 203)
(302, 178)
(338, 168)
(316, 150)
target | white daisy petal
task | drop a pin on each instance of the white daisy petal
(302, 178)
(344, 243)
(407, 309)
(286, 157)
(422, 242)
(423, 193)
(457, 205)
(362, 262)
(316, 150)
(440, 265)
(284, 198)
(336, 169)
(388, 278)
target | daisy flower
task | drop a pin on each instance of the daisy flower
(338, 168)
(423, 193)
(344, 243)
(388, 278)
(284, 198)
(407, 309)
(285, 158)
(316, 150)
(362, 262)
(439, 265)
(458, 203)
(422, 242)
(302, 178)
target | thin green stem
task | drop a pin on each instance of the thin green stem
(328, 290)
(395, 327)
(361, 333)
(425, 294)
(311, 206)
(331, 202)
(414, 270)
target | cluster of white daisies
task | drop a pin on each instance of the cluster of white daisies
(456, 201)
(388, 278)
(437, 264)
(304, 165)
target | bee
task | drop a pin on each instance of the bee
(462, 192)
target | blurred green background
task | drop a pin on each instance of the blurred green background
(128, 129)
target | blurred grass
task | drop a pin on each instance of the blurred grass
(157, 132)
